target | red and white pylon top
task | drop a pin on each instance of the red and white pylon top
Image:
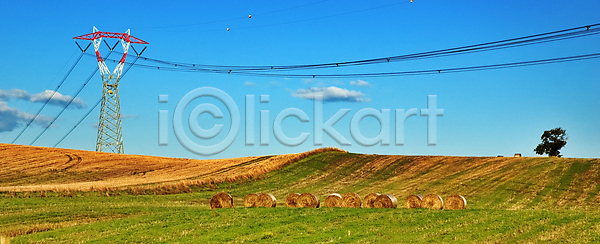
(100, 34)
(96, 38)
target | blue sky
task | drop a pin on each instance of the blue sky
(486, 113)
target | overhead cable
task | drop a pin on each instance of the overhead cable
(70, 100)
(570, 33)
(93, 107)
(49, 97)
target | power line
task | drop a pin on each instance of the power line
(49, 98)
(47, 86)
(570, 33)
(564, 34)
(417, 72)
(432, 71)
(70, 101)
(92, 109)
(75, 126)
(397, 73)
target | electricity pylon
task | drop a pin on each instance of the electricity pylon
(110, 136)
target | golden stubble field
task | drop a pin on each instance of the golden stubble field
(28, 169)
(489, 182)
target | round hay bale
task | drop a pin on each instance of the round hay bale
(266, 200)
(369, 200)
(432, 201)
(386, 201)
(292, 200)
(455, 202)
(250, 200)
(413, 201)
(351, 200)
(333, 201)
(308, 200)
(221, 200)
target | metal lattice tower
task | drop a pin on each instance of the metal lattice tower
(110, 137)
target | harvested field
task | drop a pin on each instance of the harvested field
(487, 182)
(555, 198)
(28, 168)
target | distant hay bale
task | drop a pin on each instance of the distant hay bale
(386, 201)
(291, 201)
(414, 201)
(266, 200)
(455, 202)
(369, 200)
(432, 201)
(250, 200)
(333, 201)
(351, 200)
(308, 200)
(221, 200)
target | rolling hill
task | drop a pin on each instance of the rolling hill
(486, 182)
(50, 195)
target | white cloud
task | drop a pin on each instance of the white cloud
(18, 94)
(331, 94)
(57, 99)
(275, 83)
(360, 83)
(248, 83)
(11, 118)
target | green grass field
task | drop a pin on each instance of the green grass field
(140, 219)
(509, 200)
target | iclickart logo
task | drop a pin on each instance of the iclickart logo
(320, 125)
